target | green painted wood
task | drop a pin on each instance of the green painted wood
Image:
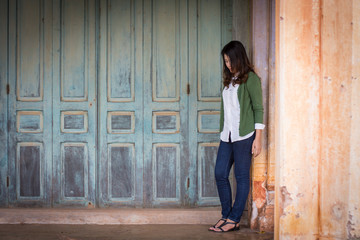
(184, 181)
(29, 151)
(191, 191)
(48, 102)
(74, 96)
(207, 158)
(29, 85)
(165, 83)
(105, 119)
(3, 103)
(119, 26)
(29, 174)
(147, 149)
(120, 104)
(205, 66)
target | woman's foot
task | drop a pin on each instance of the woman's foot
(228, 226)
(218, 224)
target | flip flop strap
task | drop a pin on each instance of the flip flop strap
(226, 223)
(222, 219)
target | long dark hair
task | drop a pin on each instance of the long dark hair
(239, 62)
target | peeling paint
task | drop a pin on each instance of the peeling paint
(254, 215)
(270, 197)
(259, 193)
(262, 212)
(285, 200)
(350, 225)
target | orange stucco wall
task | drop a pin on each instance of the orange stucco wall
(317, 115)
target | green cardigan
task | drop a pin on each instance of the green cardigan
(251, 105)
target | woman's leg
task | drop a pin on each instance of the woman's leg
(223, 165)
(242, 159)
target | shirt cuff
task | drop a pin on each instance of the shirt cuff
(259, 126)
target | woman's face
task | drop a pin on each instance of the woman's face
(228, 63)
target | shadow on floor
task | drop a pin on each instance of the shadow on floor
(107, 232)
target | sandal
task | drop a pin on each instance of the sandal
(235, 228)
(214, 226)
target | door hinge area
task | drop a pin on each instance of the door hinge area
(188, 89)
(7, 89)
(7, 181)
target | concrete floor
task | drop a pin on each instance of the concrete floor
(107, 232)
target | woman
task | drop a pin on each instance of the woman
(241, 124)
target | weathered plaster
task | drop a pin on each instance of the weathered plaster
(353, 215)
(317, 135)
(336, 52)
(297, 118)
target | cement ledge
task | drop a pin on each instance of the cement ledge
(109, 216)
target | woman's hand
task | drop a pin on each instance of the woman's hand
(256, 146)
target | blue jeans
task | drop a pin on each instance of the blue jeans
(228, 153)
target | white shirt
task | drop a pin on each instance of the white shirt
(232, 115)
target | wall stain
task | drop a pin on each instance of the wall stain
(300, 195)
(285, 200)
(350, 228)
(337, 211)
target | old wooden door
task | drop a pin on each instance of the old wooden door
(74, 103)
(114, 102)
(121, 104)
(211, 31)
(52, 103)
(143, 102)
(160, 82)
(29, 104)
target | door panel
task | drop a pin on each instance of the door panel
(165, 102)
(29, 177)
(29, 80)
(120, 106)
(210, 42)
(73, 50)
(74, 103)
(120, 50)
(205, 65)
(30, 110)
(74, 170)
(165, 57)
(122, 176)
(207, 153)
(166, 172)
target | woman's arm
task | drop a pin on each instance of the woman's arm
(253, 85)
(255, 92)
(257, 144)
